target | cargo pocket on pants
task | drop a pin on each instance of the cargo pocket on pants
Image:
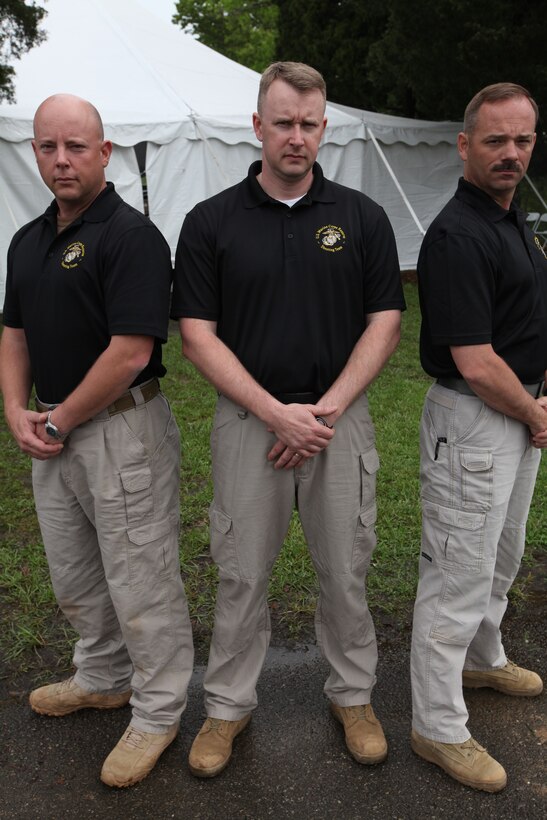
(365, 533)
(477, 478)
(139, 501)
(223, 550)
(149, 560)
(455, 537)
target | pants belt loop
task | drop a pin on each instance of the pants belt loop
(138, 397)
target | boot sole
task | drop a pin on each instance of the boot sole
(367, 760)
(41, 710)
(212, 771)
(431, 757)
(518, 693)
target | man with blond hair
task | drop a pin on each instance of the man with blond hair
(483, 293)
(288, 292)
(85, 315)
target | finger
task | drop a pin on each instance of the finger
(276, 450)
(324, 410)
(41, 449)
(288, 460)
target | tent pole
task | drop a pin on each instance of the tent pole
(535, 190)
(209, 149)
(396, 181)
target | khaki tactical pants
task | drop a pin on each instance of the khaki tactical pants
(335, 496)
(477, 474)
(108, 508)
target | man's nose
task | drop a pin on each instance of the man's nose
(62, 157)
(510, 150)
(296, 135)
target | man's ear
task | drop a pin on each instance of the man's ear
(463, 145)
(257, 126)
(106, 152)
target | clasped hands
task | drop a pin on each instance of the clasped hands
(28, 428)
(300, 435)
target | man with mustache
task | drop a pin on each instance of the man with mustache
(85, 315)
(483, 294)
(289, 293)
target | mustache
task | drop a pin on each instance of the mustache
(507, 165)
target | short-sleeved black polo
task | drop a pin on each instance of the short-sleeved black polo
(482, 280)
(289, 288)
(109, 273)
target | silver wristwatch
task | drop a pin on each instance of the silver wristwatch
(52, 430)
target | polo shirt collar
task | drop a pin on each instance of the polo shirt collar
(102, 207)
(321, 189)
(480, 201)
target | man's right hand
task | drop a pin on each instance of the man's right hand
(299, 433)
(27, 428)
(538, 437)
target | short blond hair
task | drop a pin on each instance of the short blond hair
(301, 76)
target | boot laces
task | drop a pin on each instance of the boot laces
(66, 685)
(134, 738)
(216, 724)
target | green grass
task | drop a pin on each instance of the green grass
(33, 633)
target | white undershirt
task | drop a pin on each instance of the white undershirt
(291, 202)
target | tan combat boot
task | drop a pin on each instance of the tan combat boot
(466, 762)
(509, 679)
(364, 735)
(212, 748)
(135, 755)
(58, 699)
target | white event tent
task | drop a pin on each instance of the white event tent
(154, 84)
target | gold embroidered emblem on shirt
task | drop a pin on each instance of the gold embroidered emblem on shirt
(72, 255)
(330, 238)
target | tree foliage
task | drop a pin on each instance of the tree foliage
(435, 54)
(244, 31)
(335, 38)
(424, 58)
(19, 32)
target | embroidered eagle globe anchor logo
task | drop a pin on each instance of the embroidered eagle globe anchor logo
(72, 255)
(330, 238)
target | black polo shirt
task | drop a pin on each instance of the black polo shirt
(482, 280)
(107, 274)
(289, 288)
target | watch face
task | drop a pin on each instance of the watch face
(51, 430)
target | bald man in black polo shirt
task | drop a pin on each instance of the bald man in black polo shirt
(289, 291)
(483, 292)
(86, 312)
